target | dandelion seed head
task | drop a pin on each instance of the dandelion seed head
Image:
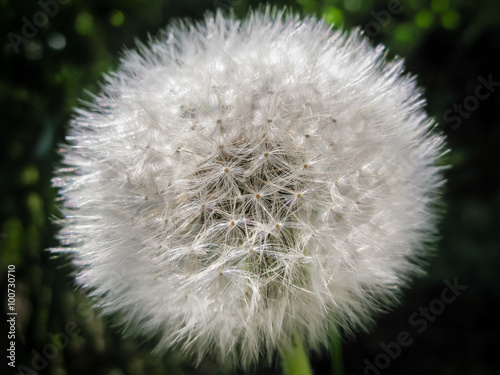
(241, 182)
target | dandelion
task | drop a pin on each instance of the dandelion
(239, 185)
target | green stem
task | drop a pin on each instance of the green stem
(336, 345)
(294, 359)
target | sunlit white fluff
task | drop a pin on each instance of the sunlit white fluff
(239, 182)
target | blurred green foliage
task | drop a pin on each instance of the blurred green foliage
(447, 43)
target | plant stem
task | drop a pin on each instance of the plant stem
(294, 359)
(336, 346)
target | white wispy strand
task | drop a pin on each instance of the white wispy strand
(240, 182)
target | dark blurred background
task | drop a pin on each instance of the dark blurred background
(452, 45)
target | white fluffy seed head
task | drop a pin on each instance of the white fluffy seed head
(241, 182)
